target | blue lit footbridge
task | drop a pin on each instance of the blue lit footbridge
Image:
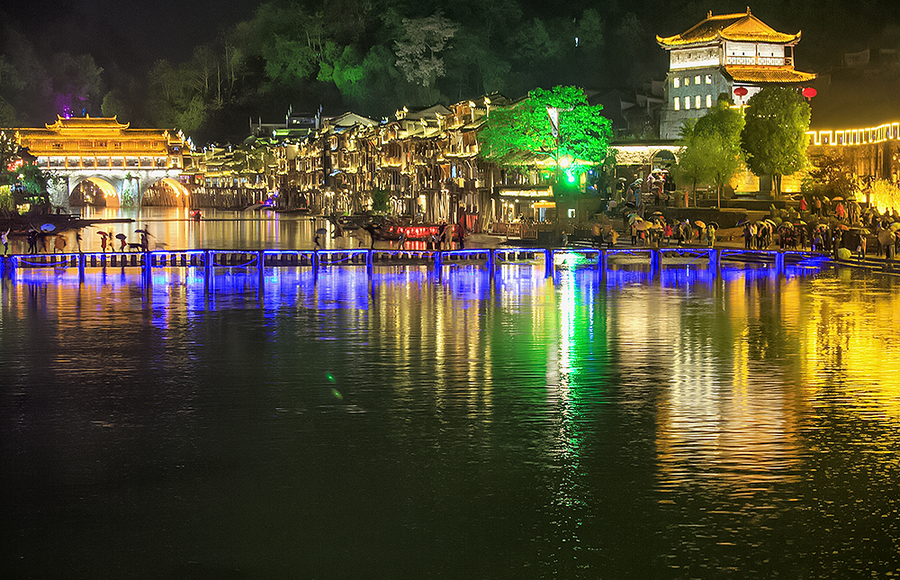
(209, 263)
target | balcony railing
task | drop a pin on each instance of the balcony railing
(760, 60)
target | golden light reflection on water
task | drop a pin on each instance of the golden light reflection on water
(743, 394)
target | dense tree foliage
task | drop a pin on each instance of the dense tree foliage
(774, 135)
(374, 56)
(518, 134)
(711, 147)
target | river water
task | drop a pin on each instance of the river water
(172, 228)
(464, 426)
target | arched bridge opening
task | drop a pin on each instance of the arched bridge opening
(166, 191)
(94, 191)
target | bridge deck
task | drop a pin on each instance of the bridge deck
(259, 259)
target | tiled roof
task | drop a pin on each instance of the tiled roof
(86, 122)
(743, 27)
(768, 74)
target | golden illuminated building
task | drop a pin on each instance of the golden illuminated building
(101, 143)
(736, 54)
(122, 161)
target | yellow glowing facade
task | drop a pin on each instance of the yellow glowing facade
(101, 143)
(722, 54)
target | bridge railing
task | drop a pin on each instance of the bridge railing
(260, 259)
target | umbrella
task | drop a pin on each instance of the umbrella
(741, 222)
(644, 226)
(843, 254)
(102, 233)
(838, 198)
(844, 227)
(799, 223)
(48, 227)
(713, 224)
(885, 237)
(634, 218)
(895, 226)
(321, 232)
(144, 232)
(699, 224)
(861, 231)
(657, 213)
(121, 236)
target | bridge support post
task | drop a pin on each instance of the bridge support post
(81, 261)
(206, 270)
(260, 268)
(548, 262)
(655, 260)
(715, 261)
(779, 262)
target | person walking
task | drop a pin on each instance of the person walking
(32, 241)
(4, 237)
(59, 244)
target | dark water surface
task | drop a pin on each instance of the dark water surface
(678, 426)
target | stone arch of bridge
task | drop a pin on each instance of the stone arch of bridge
(179, 188)
(110, 187)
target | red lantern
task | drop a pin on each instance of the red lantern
(740, 91)
(809, 92)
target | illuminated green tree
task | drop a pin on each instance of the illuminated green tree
(380, 198)
(522, 134)
(718, 134)
(774, 135)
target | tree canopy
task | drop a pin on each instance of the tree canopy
(370, 56)
(514, 136)
(774, 134)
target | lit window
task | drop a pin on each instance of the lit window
(708, 101)
(697, 80)
(676, 82)
(677, 103)
(687, 81)
(709, 79)
(687, 102)
(697, 102)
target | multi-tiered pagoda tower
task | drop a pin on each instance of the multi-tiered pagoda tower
(736, 54)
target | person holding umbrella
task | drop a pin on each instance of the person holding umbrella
(32, 241)
(103, 239)
(4, 238)
(711, 234)
(145, 240)
(121, 238)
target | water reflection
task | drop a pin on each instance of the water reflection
(625, 423)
